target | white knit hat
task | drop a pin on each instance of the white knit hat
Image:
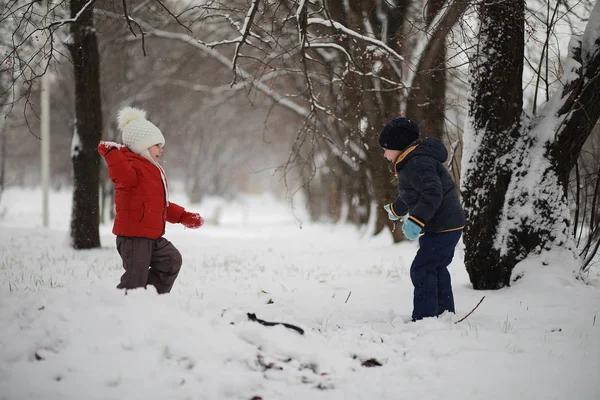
(138, 133)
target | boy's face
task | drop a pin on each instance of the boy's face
(155, 151)
(391, 155)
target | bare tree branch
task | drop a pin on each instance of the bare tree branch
(245, 32)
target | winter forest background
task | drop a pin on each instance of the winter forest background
(287, 97)
(271, 111)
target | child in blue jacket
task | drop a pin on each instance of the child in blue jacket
(428, 195)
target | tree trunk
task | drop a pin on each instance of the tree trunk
(494, 112)
(515, 177)
(427, 102)
(2, 153)
(88, 129)
(380, 108)
(580, 106)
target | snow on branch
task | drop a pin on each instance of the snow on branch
(245, 31)
(235, 25)
(62, 22)
(246, 78)
(259, 85)
(350, 32)
(329, 46)
(267, 90)
(222, 59)
(301, 15)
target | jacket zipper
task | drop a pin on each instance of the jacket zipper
(165, 206)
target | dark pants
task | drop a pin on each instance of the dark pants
(148, 262)
(430, 277)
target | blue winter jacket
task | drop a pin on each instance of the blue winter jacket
(426, 190)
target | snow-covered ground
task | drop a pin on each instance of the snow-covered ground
(67, 333)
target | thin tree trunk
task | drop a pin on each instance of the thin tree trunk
(427, 101)
(382, 107)
(2, 154)
(88, 129)
(580, 111)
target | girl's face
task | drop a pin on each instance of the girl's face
(391, 155)
(155, 151)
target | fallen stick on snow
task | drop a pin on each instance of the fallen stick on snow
(465, 317)
(252, 317)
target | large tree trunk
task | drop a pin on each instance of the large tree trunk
(495, 116)
(88, 129)
(515, 177)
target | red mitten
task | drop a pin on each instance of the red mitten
(191, 220)
(105, 147)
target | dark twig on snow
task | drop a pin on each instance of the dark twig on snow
(252, 317)
(465, 317)
(371, 362)
(348, 297)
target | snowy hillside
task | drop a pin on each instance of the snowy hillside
(67, 333)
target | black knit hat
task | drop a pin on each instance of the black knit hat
(398, 134)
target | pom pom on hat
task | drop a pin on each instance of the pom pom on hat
(398, 134)
(138, 133)
(128, 114)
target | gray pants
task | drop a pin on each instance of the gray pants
(148, 262)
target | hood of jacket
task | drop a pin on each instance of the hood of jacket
(430, 147)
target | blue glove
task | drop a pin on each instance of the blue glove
(391, 215)
(411, 230)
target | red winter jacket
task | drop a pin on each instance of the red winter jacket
(140, 198)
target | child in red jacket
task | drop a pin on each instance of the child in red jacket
(142, 204)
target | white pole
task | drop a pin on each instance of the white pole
(45, 136)
(45, 161)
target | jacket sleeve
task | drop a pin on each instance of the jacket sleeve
(399, 208)
(424, 178)
(119, 169)
(174, 212)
